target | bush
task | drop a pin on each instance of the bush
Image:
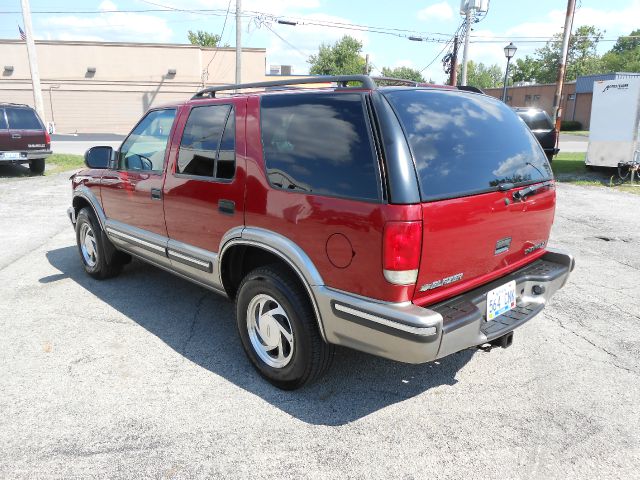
(570, 125)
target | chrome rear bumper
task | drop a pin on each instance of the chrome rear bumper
(408, 333)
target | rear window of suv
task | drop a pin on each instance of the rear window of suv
(536, 120)
(319, 143)
(464, 144)
(22, 119)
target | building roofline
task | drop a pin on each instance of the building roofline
(10, 41)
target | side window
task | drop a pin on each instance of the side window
(145, 147)
(3, 120)
(319, 143)
(207, 148)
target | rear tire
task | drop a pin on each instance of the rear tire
(37, 165)
(279, 330)
(550, 157)
(99, 257)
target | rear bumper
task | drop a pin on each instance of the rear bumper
(24, 156)
(408, 333)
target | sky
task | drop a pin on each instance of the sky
(527, 24)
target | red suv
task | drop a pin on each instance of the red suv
(23, 137)
(407, 222)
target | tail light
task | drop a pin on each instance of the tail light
(402, 244)
(47, 138)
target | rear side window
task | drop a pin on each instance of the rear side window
(23, 119)
(319, 143)
(207, 148)
(3, 121)
(465, 144)
(536, 120)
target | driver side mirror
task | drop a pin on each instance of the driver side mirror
(98, 157)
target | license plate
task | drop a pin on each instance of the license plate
(10, 155)
(500, 300)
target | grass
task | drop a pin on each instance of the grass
(569, 167)
(54, 164)
(61, 162)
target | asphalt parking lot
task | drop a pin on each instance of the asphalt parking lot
(144, 376)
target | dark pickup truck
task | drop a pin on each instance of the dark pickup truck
(23, 137)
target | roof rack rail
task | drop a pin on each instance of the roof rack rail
(469, 88)
(396, 81)
(342, 80)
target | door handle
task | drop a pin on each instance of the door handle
(16, 135)
(228, 207)
(156, 194)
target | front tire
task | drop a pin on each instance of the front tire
(279, 330)
(37, 165)
(99, 257)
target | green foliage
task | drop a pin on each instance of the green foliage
(204, 39)
(582, 58)
(342, 58)
(404, 73)
(570, 125)
(624, 56)
(482, 76)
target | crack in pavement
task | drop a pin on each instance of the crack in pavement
(590, 342)
(194, 321)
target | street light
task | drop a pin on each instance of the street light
(509, 52)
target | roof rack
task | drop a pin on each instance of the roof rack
(342, 80)
(396, 81)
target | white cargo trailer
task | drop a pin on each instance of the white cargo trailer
(615, 120)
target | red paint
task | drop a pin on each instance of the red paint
(339, 250)
(342, 237)
(191, 204)
(460, 236)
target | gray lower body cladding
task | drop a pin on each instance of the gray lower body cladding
(412, 334)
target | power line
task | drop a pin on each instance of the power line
(205, 72)
(448, 44)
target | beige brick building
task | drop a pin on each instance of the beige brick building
(105, 87)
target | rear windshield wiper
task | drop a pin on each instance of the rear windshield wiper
(530, 190)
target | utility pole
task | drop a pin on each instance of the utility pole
(469, 16)
(568, 24)
(453, 74)
(33, 60)
(238, 42)
(366, 64)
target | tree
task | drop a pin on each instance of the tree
(481, 75)
(624, 56)
(342, 58)
(204, 39)
(582, 58)
(407, 73)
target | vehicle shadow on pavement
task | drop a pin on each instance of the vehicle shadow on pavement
(16, 170)
(200, 325)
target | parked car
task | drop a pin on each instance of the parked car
(542, 127)
(23, 137)
(406, 222)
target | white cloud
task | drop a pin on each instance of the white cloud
(438, 11)
(613, 21)
(110, 26)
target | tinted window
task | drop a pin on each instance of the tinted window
(536, 120)
(318, 143)
(145, 146)
(207, 148)
(23, 119)
(3, 122)
(464, 144)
